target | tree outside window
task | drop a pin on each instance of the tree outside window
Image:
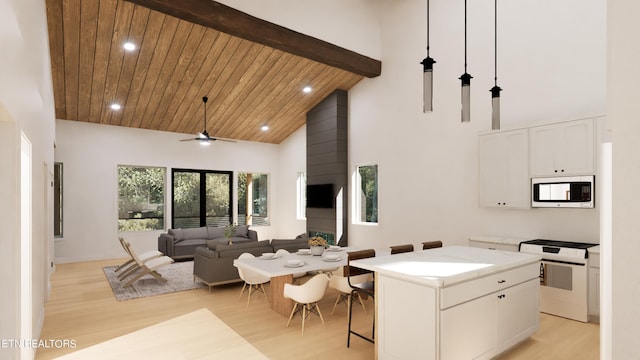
(253, 199)
(201, 198)
(367, 194)
(140, 198)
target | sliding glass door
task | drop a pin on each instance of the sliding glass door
(201, 197)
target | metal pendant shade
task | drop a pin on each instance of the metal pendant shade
(495, 90)
(466, 78)
(427, 77)
(495, 107)
(427, 83)
(466, 97)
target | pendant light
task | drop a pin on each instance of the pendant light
(495, 90)
(427, 77)
(466, 78)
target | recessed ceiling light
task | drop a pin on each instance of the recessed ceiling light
(129, 46)
(264, 127)
(115, 106)
(306, 89)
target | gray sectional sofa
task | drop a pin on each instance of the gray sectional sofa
(213, 264)
(182, 243)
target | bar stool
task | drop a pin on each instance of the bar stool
(431, 245)
(358, 289)
(397, 249)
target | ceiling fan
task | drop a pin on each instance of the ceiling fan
(204, 137)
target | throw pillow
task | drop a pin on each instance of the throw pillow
(215, 232)
(242, 230)
(177, 234)
(194, 233)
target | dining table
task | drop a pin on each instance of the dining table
(280, 270)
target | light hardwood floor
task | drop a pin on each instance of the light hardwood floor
(83, 308)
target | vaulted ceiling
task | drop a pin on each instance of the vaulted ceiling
(252, 71)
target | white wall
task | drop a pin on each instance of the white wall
(26, 106)
(549, 68)
(351, 24)
(90, 155)
(623, 108)
(292, 159)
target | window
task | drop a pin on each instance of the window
(301, 196)
(366, 194)
(57, 199)
(140, 198)
(253, 199)
(200, 198)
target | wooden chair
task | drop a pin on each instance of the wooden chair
(431, 245)
(130, 265)
(365, 289)
(307, 296)
(148, 267)
(397, 249)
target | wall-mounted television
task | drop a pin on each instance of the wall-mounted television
(320, 196)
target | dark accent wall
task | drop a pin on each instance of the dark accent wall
(327, 163)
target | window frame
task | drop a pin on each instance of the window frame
(203, 192)
(58, 200)
(164, 197)
(301, 195)
(357, 198)
(267, 220)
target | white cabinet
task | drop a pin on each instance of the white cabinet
(503, 170)
(475, 323)
(518, 314)
(477, 308)
(594, 287)
(566, 148)
(495, 321)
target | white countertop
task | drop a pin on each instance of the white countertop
(445, 266)
(510, 240)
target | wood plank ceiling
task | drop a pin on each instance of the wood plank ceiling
(161, 83)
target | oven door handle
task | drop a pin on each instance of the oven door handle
(563, 262)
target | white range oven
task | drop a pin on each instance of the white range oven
(563, 276)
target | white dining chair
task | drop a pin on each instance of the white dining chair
(341, 283)
(306, 297)
(252, 280)
(282, 252)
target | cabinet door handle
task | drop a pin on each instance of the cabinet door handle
(502, 281)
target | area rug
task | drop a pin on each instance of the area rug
(179, 277)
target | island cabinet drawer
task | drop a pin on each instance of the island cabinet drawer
(475, 288)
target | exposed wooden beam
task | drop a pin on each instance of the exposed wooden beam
(223, 18)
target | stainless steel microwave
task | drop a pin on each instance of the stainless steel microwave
(570, 191)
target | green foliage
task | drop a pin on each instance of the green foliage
(187, 197)
(139, 225)
(140, 196)
(230, 230)
(369, 185)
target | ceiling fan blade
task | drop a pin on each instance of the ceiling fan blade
(204, 137)
(223, 139)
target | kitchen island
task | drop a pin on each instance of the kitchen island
(454, 302)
